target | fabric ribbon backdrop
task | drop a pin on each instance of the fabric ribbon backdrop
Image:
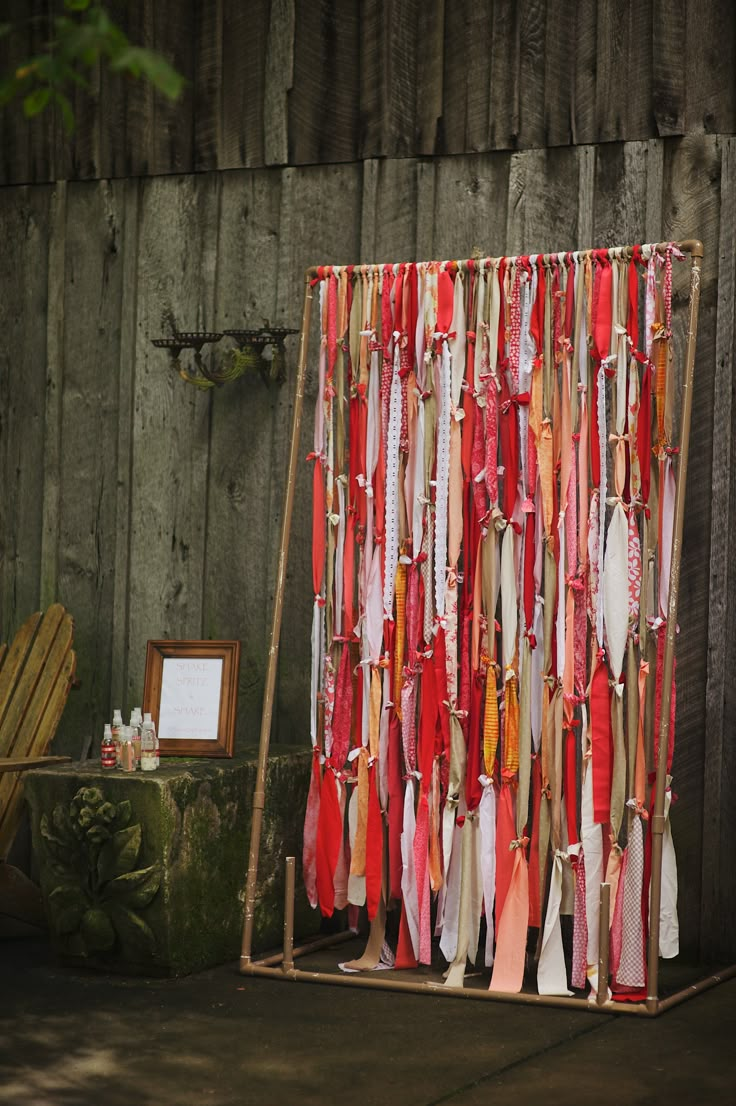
(494, 484)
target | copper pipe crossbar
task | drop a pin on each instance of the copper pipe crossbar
(281, 966)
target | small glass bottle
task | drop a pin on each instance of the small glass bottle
(107, 749)
(136, 719)
(117, 726)
(127, 752)
(148, 744)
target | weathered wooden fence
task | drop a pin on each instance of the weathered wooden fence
(150, 509)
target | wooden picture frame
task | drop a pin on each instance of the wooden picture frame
(191, 691)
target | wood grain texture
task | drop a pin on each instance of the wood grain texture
(55, 327)
(669, 65)
(504, 83)
(245, 29)
(585, 36)
(430, 76)
(541, 219)
(89, 418)
(400, 108)
(307, 236)
(559, 75)
(531, 80)
(692, 174)
(175, 281)
(719, 813)
(710, 104)
(451, 139)
(611, 70)
(24, 227)
(140, 120)
(208, 84)
(126, 378)
(236, 535)
(279, 79)
(620, 193)
(388, 223)
(637, 107)
(475, 189)
(173, 145)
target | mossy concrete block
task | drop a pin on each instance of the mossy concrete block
(145, 872)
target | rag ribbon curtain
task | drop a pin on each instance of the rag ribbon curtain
(494, 480)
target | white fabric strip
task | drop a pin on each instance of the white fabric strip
(551, 973)
(487, 814)
(443, 479)
(408, 874)
(391, 539)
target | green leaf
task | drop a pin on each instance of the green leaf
(97, 930)
(76, 5)
(67, 112)
(137, 938)
(134, 888)
(124, 812)
(67, 903)
(141, 62)
(119, 854)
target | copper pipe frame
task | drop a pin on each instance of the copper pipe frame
(259, 795)
(658, 820)
(652, 1006)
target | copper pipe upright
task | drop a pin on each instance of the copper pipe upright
(259, 795)
(288, 961)
(658, 820)
(604, 930)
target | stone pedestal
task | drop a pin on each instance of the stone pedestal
(145, 872)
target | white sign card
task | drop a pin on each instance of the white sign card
(190, 698)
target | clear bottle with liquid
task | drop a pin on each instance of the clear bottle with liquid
(136, 721)
(148, 744)
(117, 729)
(107, 749)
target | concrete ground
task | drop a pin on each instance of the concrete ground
(69, 1038)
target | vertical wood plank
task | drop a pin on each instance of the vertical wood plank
(176, 276)
(124, 453)
(388, 223)
(451, 139)
(279, 78)
(586, 196)
(719, 809)
(584, 20)
(711, 67)
(426, 223)
(54, 383)
(92, 300)
(324, 128)
(430, 66)
(655, 186)
(475, 189)
(400, 109)
(559, 75)
(692, 177)
(208, 83)
(174, 37)
(532, 73)
(620, 193)
(504, 92)
(24, 230)
(478, 66)
(636, 88)
(319, 224)
(611, 70)
(374, 16)
(243, 68)
(139, 106)
(541, 219)
(669, 66)
(238, 557)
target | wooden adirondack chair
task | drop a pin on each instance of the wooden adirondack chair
(36, 673)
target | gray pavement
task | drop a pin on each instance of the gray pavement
(72, 1038)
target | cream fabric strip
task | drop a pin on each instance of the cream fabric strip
(551, 973)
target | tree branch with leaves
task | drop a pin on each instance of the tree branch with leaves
(82, 37)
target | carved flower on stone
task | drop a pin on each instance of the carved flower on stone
(93, 850)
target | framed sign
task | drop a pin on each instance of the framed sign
(191, 690)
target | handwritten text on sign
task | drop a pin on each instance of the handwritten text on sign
(190, 698)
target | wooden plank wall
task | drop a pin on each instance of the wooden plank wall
(151, 509)
(406, 78)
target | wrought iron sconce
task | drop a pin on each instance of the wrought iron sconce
(246, 356)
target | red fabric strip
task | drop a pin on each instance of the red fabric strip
(505, 834)
(395, 805)
(319, 538)
(601, 742)
(474, 766)
(329, 830)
